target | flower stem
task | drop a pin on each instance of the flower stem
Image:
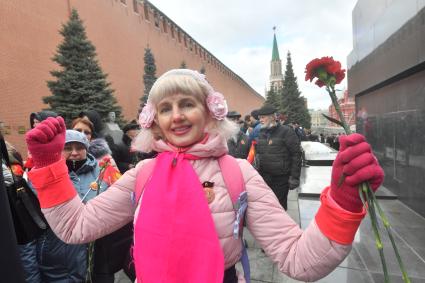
(390, 234)
(90, 251)
(332, 94)
(89, 274)
(368, 198)
(363, 191)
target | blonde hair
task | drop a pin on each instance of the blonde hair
(187, 82)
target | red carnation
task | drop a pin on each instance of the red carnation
(339, 76)
(105, 162)
(324, 69)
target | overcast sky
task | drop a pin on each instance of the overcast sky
(239, 33)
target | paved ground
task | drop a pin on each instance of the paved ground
(363, 263)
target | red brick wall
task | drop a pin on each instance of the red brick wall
(29, 37)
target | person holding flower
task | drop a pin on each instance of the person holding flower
(180, 233)
(327, 73)
(58, 260)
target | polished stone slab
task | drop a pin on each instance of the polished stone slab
(408, 229)
(314, 179)
(317, 151)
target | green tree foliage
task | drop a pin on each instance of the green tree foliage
(292, 103)
(149, 76)
(81, 83)
(273, 99)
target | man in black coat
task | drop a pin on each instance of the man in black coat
(279, 155)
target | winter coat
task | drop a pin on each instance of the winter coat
(56, 258)
(84, 176)
(304, 255)
(125, 157)
(238, 146)
(255, 132)
(99, 148)
(279, 151)
(112, 249)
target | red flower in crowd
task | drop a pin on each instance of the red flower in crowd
(105, 162)
(326, 70)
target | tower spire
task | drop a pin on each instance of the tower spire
(276, 76)
(275, 53)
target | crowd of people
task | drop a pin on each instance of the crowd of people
(87, 146)
(167, 204)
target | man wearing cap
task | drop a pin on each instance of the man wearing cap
(278, 153)
(238, 145)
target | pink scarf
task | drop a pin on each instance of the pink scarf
(175, 237)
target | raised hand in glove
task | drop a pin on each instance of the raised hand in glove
(46, 141)
(358, 164)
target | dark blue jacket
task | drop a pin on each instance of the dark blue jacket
(57, 261)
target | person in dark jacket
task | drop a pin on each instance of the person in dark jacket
(238, 145)
(279, 153)
(125, 157)
(58, 261)
(10, 263)
(255, 127)
(99, 127)
(37, 117)
(96, 120)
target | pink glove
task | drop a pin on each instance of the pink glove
(356, 161)
(46, 141)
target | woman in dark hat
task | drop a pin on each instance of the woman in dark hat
(37, 117)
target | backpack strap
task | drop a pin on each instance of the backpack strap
(235, 184)
(232, 176)
(142, 179)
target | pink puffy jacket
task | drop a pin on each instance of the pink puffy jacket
(303, 255)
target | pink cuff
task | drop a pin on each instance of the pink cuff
(336, 223)
(53, 184)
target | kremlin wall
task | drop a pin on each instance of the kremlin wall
(120, 31)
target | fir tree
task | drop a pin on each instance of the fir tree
(81, 83)
(272, 99)
(149, 77)
(292, 103)
(183, 65)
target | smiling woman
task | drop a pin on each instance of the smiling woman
(189, 202)
(179, 102)
(182, 119)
